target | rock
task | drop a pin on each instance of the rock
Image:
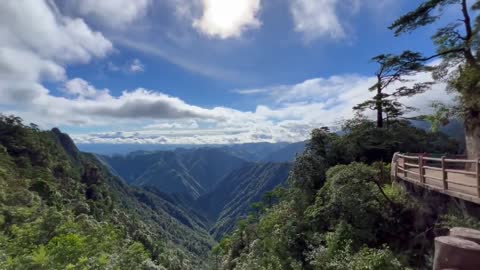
(466, 233)
(456, 253)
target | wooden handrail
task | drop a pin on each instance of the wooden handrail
(432, 159)
(477, 170)
(461, 172)
(450, 160)
(444, 175)
(435, 174)
(411, 165)
(432, 168)
(408, 157)
(461, 160)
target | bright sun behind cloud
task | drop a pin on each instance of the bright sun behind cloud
(226, 19)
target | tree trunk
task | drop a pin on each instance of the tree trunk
(472, 135)
(379, 107)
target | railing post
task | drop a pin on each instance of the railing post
(478, 176)
(444, 174)
(395, 172)
(404, 167)
(420, 169)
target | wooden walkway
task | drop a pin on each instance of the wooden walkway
(455, 177)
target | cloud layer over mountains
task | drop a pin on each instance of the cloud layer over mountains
(40, 40)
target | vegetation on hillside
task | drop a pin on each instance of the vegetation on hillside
(61, 209)
(216, 183)
(244, 188)
(338, 213)
(192, 172)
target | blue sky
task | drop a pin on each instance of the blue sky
(195, 71)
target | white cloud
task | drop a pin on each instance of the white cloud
(88, 106)
(180, 124)
(317, 89)
(131, 66)
(34, 51)
(228, 19)
(36, 42)
(332, 18)
(293, 112)
(113, 13)
(316, 19)
(31, 25)
(80, 88)
(136, 66)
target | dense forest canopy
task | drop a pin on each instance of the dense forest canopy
(62, 209)
(338, 213)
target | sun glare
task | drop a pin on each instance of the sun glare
(228, 18)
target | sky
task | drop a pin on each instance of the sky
(197, 71)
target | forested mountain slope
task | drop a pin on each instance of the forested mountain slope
(286, 154)
(232, 198)
(215, 183)
(190, 171)
(62, 209)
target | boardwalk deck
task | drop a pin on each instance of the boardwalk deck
(454, 177)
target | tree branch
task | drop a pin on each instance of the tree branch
(469, 34)
(457, 50)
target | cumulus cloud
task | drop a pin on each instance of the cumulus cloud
(36, 42)
(142, 103)
(136, 66)
(131, 66)
(81, 88)
(90, 106)
(33, 52)
(50, 36)
(330, 18)
(293, 112)
(228, 19)
(113, 13)
(317, 19)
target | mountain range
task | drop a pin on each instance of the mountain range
(217, 183)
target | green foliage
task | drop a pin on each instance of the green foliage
(329, 233)
(455, 219)
(457, 44)
(393, 69)
(363, 142)
(419, 17)
(340, 216)
(242, 191)
(441, 116)
(62, 209)
(338, 254)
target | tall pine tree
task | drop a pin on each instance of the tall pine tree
(393, 69)
(457, 45)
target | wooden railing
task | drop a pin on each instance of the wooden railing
(457, 177)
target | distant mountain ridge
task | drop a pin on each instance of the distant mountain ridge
(246, 151)
(213, 181)
(190, 171)
(195, 171)
(232, 198)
